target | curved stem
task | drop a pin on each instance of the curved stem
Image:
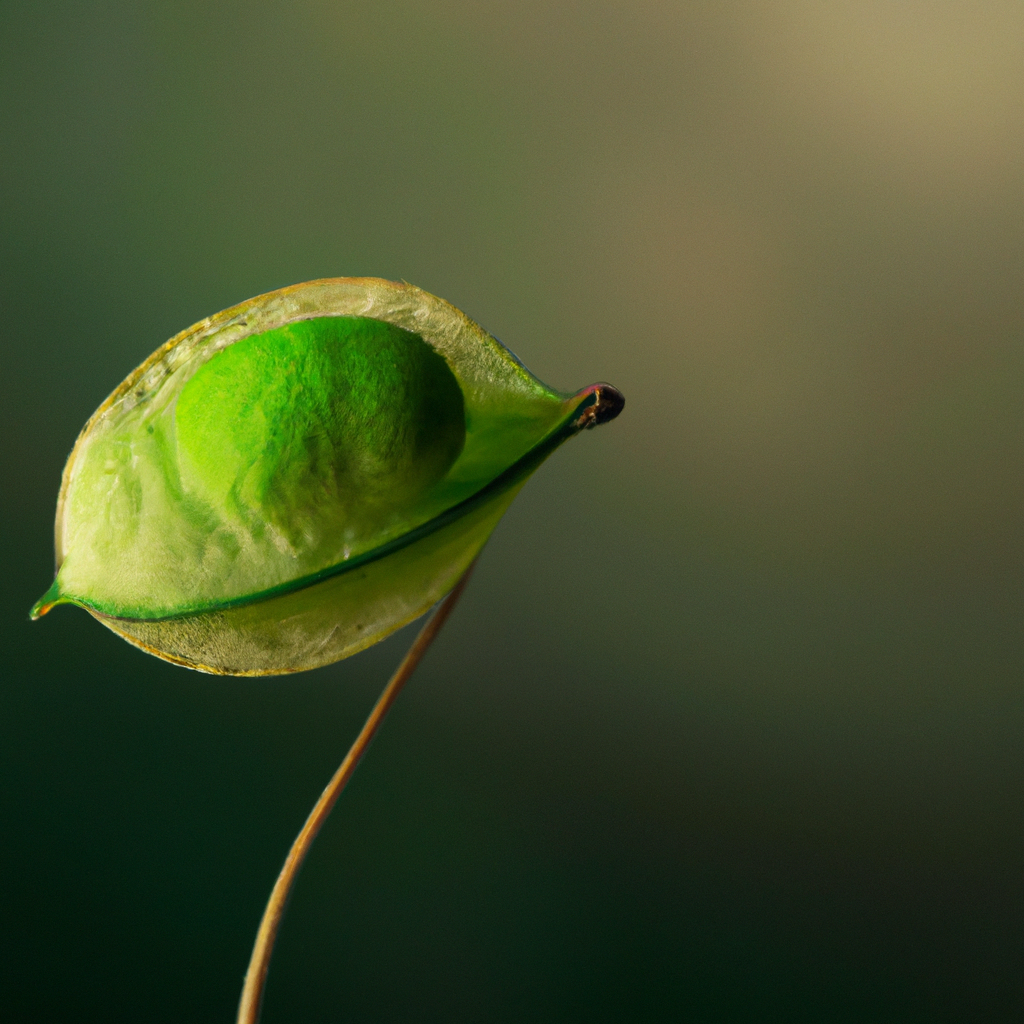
(256, 976)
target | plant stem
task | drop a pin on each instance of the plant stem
(256, 976)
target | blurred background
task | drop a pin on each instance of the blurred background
(729, 725)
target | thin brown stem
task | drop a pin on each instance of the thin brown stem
(256, 976)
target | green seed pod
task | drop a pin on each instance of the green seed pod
(291, 480)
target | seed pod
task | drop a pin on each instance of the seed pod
(291, 480)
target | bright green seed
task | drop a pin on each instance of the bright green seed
(320, 430)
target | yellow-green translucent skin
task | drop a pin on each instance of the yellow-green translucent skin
(287, 482)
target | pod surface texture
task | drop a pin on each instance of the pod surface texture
(289, 481)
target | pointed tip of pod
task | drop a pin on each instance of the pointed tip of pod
(607, 404)
(46, 602)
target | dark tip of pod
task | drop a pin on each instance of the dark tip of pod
(608, 403)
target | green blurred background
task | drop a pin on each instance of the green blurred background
(729, 725)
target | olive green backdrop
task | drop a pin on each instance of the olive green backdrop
(730, 724)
